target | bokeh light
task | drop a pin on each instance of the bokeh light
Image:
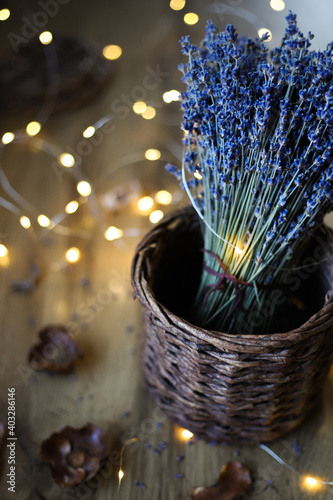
(46, 37)
(4, 14)
(156, 216)
(113, 233)
(139, 107)
(277, 4)
(163, 197)
(7, 137)
(72, 255)
(153, 154)
(83, 188)
(112, 52)
(191, 18)
(145, 203)
(71, 207)
(25, 222)
(89, 132)
(66, 160)
(33, 128)
(149, 113)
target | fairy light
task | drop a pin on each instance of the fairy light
(191, 18)
(113, 233)
(4, 14)
(139, 107)
(167, 97)
(153, 154)
(25, 222)
(89, 132)
(112, 52)
(311, 482)
(163, 197)
(177, 4)
(43, 221)
(46, 37)
(170, 96)
(145, 203)
(187, 434)
(156, 216)
(264, 31)
(66, 160)
(197, 175)
(71, 207)
(72, 255)
(149, 113)
(7, 137)
(83, 188)
(238, 250)
(277, 5)
(3, 250)
(308, 482)
(120, 474)
(33, 128)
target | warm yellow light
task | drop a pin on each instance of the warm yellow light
(66, 160)
(46, 37)
(7, 137)
(311, 481)
(33, 128)
(191, 18)
(277, 4)
(121, 474)
(139, 107)
(71, 207)
(263, 31)
(153, 154)
(73, 254)
(238, 250)
(4, 14)
(43, 220)
(3, 250)
(25, 222)
(112, 52)
(187, 434)
(163, 197)
(149, 113)
(89, 132)
(197, 175)
(177, 4)
(84, 188)
(167, 97)
(311, 484)
(145, 203)
(156, 216)
(113, 233)
(171, 95)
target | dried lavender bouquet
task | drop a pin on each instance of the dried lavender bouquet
(258, 152)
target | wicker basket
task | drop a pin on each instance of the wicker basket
(222, 387)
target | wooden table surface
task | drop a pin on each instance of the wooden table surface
(94, 295)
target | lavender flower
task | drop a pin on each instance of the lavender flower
(258, 128)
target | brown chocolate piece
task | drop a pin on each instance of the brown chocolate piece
(56, 351)
(234, 480)
(75, 455)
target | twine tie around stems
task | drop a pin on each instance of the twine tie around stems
(223, 277)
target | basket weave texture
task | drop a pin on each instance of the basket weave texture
(223, 387)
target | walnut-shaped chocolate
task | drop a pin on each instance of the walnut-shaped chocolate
(56, 350)
(75, 455)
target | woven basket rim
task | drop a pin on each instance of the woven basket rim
(146, 296)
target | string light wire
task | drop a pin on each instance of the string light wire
(289, 467)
